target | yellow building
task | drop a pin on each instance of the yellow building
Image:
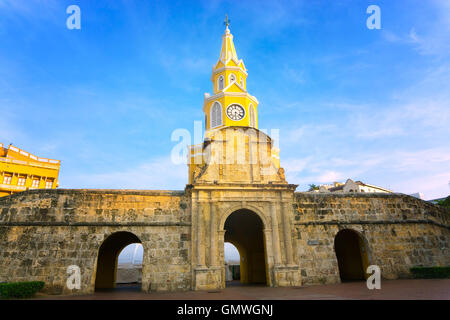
(20, 171)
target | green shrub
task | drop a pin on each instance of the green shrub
(445, 202)
(430, 272)
(20, 289)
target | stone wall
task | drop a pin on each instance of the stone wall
(42, 232)
(129, 274)
(399, 231)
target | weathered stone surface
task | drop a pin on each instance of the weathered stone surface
(36, 246)
(400, 232)
(42, 232)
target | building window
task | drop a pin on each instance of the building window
(216, 115)
(21, 181)
(35, 183)
(7, 180)
(220, 83)
(48, 184)
(252, 116)
(232, 78)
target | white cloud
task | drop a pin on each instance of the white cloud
(294, 75)
(425, 170)
(430, 37)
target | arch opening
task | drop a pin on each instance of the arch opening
(129, 265)
(232, 263)
(108, 258)
(244, 229)
(351, 254)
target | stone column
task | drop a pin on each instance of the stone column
(276, 236)
(199, 221)
(221, 240)
(287, 234)
(270, 253)
(213, 227)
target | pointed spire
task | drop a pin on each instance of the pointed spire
(227, 51)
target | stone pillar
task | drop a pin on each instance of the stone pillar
(221, 241)
(213, 231)
(275, 235)
(287, 234)
(199, 232)
(269, 254)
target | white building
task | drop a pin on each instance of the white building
(352, 186)
(418, 195)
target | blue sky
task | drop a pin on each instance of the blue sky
(371, 105)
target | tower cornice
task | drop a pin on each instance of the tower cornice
(233, 68)
(229, 94)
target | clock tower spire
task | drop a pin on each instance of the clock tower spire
(230, 104)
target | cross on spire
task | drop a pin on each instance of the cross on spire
(226, 22)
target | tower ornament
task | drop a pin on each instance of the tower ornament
(226, 22)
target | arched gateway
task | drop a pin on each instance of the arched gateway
(352, 255)
(244, 229)
(236, 192)
(108, 254)
(238, 189)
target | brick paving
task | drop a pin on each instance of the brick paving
(417, 289)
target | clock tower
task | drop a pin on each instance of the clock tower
(230, 104)
(234, 150)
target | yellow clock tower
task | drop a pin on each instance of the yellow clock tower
(234, 150)
(230, 104)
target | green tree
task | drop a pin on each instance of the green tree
(313, 187)
(445, 202)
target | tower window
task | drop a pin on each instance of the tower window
(216, 115)
(220, 83)
(232, 78)
(252, 115)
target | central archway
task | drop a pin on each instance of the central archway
(244, 229)
(105, 277)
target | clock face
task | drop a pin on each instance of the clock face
(235, 112)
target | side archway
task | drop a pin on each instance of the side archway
(108, 254)
(352, 255)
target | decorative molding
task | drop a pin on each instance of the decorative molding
(233, 68)
(230, 94)
(94, 224)
(424, 221)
